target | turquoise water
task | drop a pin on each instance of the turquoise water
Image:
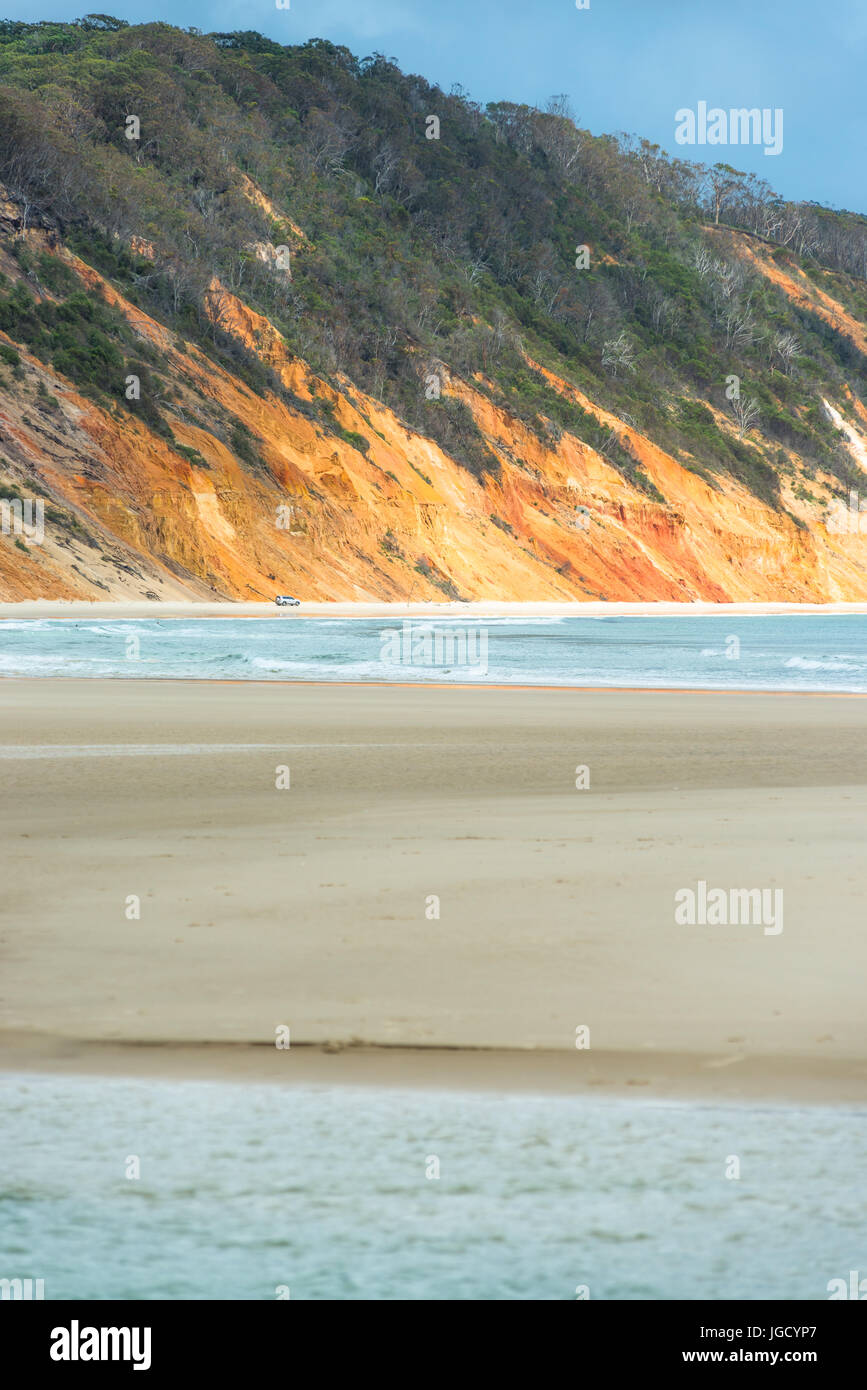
(246, 1188)
(795, 652)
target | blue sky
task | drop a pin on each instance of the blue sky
(626, 64)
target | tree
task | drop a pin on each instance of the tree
(555, 133)
(786, 348)
(618, 354)
(722, 183)
(105, 23)
(746, 414)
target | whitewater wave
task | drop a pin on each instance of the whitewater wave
(444, 620)
(110, 629)
(272, 663)
(471, 620)
(26, 662)
(807, 663)
(317, 670)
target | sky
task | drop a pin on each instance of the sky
(627, 65)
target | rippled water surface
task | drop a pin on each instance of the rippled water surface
(795, 652)
(246, 1188)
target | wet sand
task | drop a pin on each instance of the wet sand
(432, 900)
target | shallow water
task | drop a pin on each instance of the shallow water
(795, 652)
(246, 1188)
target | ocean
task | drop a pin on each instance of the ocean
(792, 652)
(265, 1191)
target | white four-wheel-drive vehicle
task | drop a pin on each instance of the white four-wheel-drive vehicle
(286, 601)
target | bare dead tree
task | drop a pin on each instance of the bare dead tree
(618, 354)
(746, 414)
(739, 324)
(786, 348)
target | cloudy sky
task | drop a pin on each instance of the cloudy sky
(626, 64)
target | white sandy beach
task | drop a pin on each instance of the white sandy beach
(432, 889)
(50, 608)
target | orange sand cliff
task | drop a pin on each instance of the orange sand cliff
(325, 521)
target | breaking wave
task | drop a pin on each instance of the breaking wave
(807, 663)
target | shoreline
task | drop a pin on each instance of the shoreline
(119, 609)
(727, 1079)
(480, 686)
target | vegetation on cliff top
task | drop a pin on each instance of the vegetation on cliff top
(419, 258)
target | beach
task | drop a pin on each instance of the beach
(125, 609)
(427, 896)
